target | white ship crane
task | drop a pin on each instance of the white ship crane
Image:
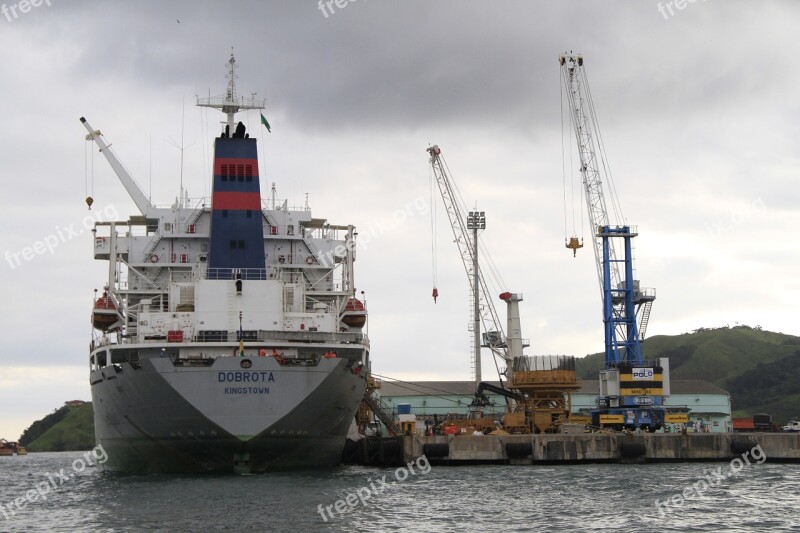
(137, 195)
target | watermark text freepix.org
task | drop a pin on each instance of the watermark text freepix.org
(327, 5)
(711, 480)
(42, 489)
(666, 7)
(12, 12)
(417, 206)
(363, 494)
(60, 236)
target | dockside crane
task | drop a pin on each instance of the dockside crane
(465, 231)
(537, 389)
(631, 388)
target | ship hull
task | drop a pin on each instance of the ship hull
(237, 415)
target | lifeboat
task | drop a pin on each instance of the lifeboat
(105, 312)
(354, 314)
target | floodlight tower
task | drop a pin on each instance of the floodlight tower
(476, 220)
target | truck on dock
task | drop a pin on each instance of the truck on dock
(792, 427)
(760, 422)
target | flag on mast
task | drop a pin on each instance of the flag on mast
(265, 123)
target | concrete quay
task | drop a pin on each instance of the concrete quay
(572, 449)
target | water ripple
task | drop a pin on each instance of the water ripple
(631, 498)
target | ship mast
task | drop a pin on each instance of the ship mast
(230, 103)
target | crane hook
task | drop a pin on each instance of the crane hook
(573, 245)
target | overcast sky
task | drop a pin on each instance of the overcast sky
(698, 109)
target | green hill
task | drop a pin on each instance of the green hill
(67, 429)
(761, 369)
(770, 387)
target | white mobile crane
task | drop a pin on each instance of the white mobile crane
(538, 389)
(631, 389)
(465, 231)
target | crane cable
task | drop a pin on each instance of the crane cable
(612, 188)
(434, 264)
(573, 201)
(495, 279)
(563, 163)
(88, 182)
(86, 168)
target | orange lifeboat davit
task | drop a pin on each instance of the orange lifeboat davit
(354, 315)
(105, 312)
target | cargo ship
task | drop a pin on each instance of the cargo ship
(228, 337)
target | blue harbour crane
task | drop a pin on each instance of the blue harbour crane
(631, 388)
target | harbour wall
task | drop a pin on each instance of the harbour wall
(570, 449)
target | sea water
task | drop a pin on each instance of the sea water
(69, 491)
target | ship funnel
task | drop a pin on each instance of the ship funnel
(237, 233)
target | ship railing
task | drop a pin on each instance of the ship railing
(201, 201)
(131, 285)
(270, 204)
(326, 282)
(312, 303)
(236, 273)
(132, 280)
(99, 341)
(245, 102)
(224, 336)
(135, 230)
(326, 231)
(292, 277)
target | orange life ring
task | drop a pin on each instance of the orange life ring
(154, 258)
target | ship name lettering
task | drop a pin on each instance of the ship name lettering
(246, 390)
(246, 377)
